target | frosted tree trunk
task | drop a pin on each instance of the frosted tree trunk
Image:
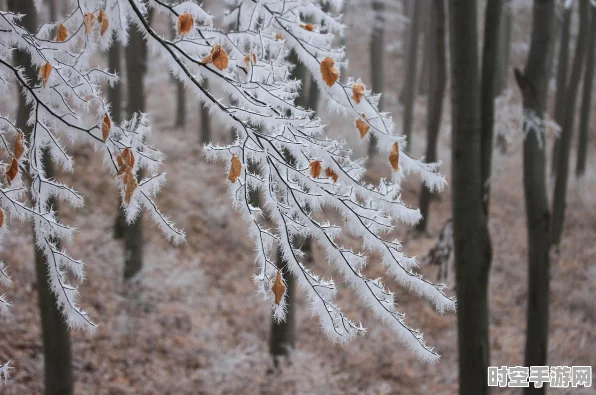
(410, 73)
(562, 169)
(424, 82)
(533, 83)
(490, 59)
(584, 121)
(205, 126)
(136, 66)
(562, 71)
(58, 378)
(437, 80)
(377, 51)
(180, 105)
(470, 230)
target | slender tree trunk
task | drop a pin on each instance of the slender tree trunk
(560, 193)
(437, 80)
(504, 48)
(562, 71)
(180, 105)
(584, 122)
(58, 377)
(136, 66)
(377, 51)
(205, 125)
(490, 58)
(115, 92)
(533, 84)
(470, 230)
(424, 81)
(411, 70)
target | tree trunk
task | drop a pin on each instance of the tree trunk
(58, 377)
(180, 105)
(136, 67)
(424, 81)
(205, 125)
(470, 231)
(283, 334)
(504, 48)
(410, 74)
(437, 80)
(377, 51)
(584, 121)
(562, 71)
(115, 92)
(533, 84)
(560, 193)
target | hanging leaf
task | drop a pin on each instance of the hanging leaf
(185, 24)
(12, 170)
(45, 72)
(101, 15)
(19, 148)
(102, 18)
(235, 169)
(278, 288)
(89, 19)
(106, 127)
(126, 160)
(218, 56)
(254, 58)
(278, 36)
(62, 33)
(328, 71)
(130, 181)
(330, 173)
(315, 168)
(307, 26)
(1, 218)
(363, 127)
(394, 156)
(358, 92)
(247, 61)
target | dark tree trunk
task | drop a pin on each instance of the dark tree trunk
(424, 81)
(437, 80)
(562, 176)
(533, 84)
(504, 48)
(377, 55)
(115, 92)
(58, 377)
(136, 67)
(562, 71)
(470, 230)
(410, 73)
(584, 120)
(180, 105)
(205, 125)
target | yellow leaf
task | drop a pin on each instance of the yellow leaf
(45, 72)
(357, 92)
(12, 170)
(328, 71)
(363, 127)
(278, 288)
(89, 19)
(235, 169)
(330, 173)
(18, 145)
(62, 33)
(185, 24)
(106, 126)
(394, 156)
(315, 168)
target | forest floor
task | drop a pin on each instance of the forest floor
(192, 322)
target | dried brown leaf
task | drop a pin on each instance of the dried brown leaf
(307, 26)
(363, 127)
(106, 127)
(278, 36)
(126, 160)
(328, 71)
(12, 171)
(19, 148)
(104, 25)
(235, 169)
(358, 92)
(330, 173)
(315, 168)
(220, 57)
(102, 14)
(394, 156)
(247, 61)
(278, 288)
(254, 58)
(89, 19)
(62, 33)
(45, 72)
(130, 181)
(185, 24)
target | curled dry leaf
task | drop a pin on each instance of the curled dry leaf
(126, 160)
(1, 218)
(102, 14)
(278, 36)
(363, 127)
(315, 168)
(19, 148)
(89, 19)
(106, 127)
(254, 58)
(357, 92)
(330, 173)
(328, 71)
(247, 61)
(12, 171)
(45, 72)
(307, 26)
(235, 169)
(394, 156)
(104, 25)
(185, 24)
(278, 288)
(62, 33)
(130, 181)
(218, 56)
